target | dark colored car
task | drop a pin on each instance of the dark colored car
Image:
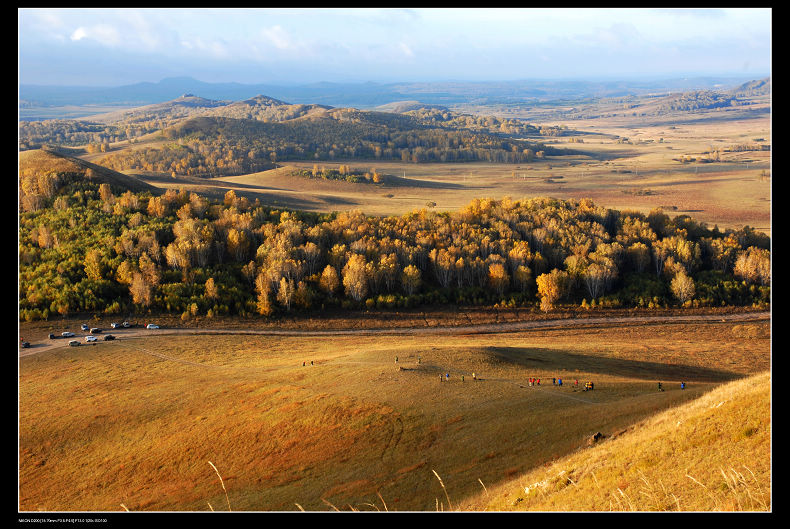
(25, 345)
(109, 337)
(95, 330)
(51, 336)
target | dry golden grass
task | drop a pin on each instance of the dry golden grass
(711, 454)
(136, 421)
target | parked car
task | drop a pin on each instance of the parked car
(151, 326)
(109, 337)
(84, 327)
(90, 339)
(114, 325)
(67, 334)
(25, 344)
(51, 336)
(126, 324)
(73, 343)
(95, 330)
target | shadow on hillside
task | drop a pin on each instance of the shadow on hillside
(214, 189)
(398, 181)
(565, 363)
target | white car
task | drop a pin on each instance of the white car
(84, 327)
(90, 338)
(67, 334)
(126, 324)
(151, 326)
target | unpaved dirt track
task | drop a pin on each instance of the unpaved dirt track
(484, 328)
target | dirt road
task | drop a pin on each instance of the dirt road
(488, 328)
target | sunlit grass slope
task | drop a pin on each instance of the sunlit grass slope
(712, 454)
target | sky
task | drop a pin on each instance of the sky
(113, 47)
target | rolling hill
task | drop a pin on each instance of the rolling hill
(711, 454)
(185, 106)
(41, 161)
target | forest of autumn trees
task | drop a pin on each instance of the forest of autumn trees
(85, 247)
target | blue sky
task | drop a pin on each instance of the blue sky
(110, 47)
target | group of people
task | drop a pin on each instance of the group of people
(534, 381)
(446, 377)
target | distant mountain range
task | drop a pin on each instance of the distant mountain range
(364, 95)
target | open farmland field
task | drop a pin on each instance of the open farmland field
(137, 421)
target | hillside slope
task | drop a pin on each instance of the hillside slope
(40, 161)
(713, 454)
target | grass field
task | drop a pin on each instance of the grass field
(137, 421)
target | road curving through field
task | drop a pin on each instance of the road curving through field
(483, 328)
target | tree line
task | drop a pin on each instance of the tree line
(92, 248)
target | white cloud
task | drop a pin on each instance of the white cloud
(101, 33)
(279, 37)
(78, 34)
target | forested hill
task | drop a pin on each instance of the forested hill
(218, 145)
(209, 138)
(42, 173)
(263, 108)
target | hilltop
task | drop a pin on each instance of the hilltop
(264, 108)
(181, 107)
(713, 453)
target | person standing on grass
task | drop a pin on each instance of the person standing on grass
(559, 382)
(682, 385)
(538, 382)
(448, 377)
(660, 388)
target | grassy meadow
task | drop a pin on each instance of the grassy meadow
(295, 422)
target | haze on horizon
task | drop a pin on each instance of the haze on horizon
(112, 47)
